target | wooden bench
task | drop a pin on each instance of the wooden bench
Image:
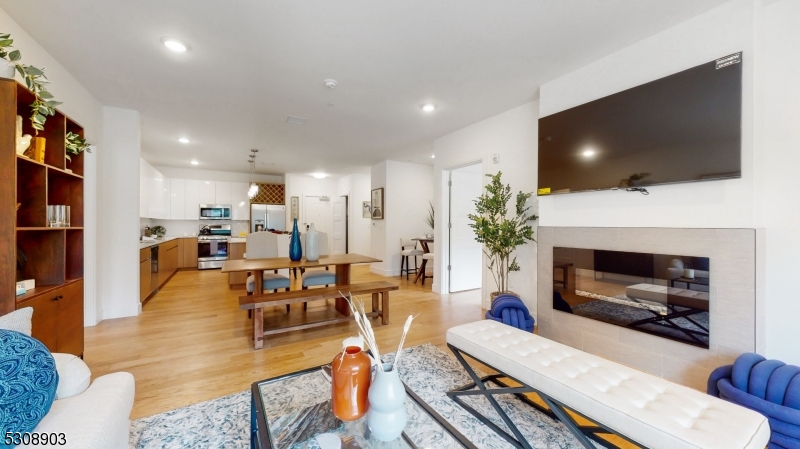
(379, 291)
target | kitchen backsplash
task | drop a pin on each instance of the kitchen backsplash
(179, 228)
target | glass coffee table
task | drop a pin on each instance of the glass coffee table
(288, 412)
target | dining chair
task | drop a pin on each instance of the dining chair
(314, 278)
(408, 248)
(426, 258)
(264, 245)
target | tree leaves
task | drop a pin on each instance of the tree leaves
(499, 233)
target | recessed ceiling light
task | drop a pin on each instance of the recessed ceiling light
(319, 175)
(174, 44)
(183, 140)
(428, 107)
(588, 153)
(194, 162)
(330, 84)
(433, 156)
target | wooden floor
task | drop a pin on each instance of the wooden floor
(192, 343)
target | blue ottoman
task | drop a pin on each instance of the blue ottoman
(28, 381)
(510, 310)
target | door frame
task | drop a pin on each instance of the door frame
(444, 247)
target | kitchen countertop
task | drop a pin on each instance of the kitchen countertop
(167, 238)
(237, 240)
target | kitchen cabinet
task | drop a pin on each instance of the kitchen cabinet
(222, 190)
(58, 318)
(167, 261)
(189, 253)
(144, 274)
(192, 206)
(159, 196)
(207, 193)
(177, 199)
(236, 252)
(144, 189)
(240, 202)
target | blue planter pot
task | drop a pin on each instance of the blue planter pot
(295, 249)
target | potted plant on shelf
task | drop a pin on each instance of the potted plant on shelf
(76, 145)
(43, 103)
(500, 232)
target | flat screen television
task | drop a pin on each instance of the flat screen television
(685, 127)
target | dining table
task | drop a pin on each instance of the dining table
(342, 262)
(423, 242)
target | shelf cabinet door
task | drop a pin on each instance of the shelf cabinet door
(192, 206)
(45, 318)
(177, 200)
(207, 193)
(240, 201)
(222, 192)
(70, 319)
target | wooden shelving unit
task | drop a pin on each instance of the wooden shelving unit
(54, 255)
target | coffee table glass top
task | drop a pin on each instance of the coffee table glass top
(290, 411)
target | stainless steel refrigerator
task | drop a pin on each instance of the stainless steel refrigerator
(267, 216)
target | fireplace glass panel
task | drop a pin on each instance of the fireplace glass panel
(659, 294)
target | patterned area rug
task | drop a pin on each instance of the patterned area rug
(429, 372)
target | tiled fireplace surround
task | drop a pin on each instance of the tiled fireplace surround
(736, 299)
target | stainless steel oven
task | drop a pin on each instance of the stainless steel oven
(212, 246)
(215, 211)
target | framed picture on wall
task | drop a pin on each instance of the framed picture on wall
(366, 209)
(377, 204)
(295, 207)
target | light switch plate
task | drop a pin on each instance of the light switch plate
(496, 158)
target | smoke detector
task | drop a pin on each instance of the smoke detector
(330, 84)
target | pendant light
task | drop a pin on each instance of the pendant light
(253, 190)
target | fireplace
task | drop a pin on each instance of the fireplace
(660, 294)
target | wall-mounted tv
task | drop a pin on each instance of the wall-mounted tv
(685, 127)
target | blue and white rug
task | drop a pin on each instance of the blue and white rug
(429, 372)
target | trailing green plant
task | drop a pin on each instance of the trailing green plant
(498, 231)
(76, 145)
(429, 219)
(43, 103)
(633, 179)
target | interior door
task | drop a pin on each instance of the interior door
(466, 255)
(317, 210)
(339, 218)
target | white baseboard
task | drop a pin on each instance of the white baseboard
(382, 272)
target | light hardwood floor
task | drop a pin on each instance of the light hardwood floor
(192, 343)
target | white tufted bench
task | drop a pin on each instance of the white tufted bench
(646, 409)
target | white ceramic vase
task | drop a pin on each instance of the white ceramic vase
(312, 244)
(386, 417)
(7, 69)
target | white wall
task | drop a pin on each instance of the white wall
(118, 201)
(83, 108)
(357, 188)
(720, 204)
(766, 194)
(407, 189)
(513, 136)
(781, 159)
(300, 185)
(215, 175)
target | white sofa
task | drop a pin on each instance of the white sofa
(97, 417)
(652, 411)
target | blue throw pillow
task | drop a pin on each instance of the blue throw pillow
(28, 381)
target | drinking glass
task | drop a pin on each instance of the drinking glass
(66, 216)
(51, 216)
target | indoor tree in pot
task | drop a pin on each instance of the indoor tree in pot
(499, 232)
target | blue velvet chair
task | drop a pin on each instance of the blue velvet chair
(509, 309)
(769, 387)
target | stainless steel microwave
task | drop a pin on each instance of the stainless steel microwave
(215, 211)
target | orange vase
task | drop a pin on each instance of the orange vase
(38, 148)
(350, 379)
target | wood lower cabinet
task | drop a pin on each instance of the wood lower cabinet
(167, 261)
(236, 252)
(58, 318)
(145, 266)
(189, 259)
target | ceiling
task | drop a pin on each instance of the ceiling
(251, 63)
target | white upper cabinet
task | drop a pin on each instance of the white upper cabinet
(207, 193)
(159, 199)
(144, 189)
(192, 206)
(177, 199)
(223, 192)
(240, 202)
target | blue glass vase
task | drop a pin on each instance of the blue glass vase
(295, 249)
